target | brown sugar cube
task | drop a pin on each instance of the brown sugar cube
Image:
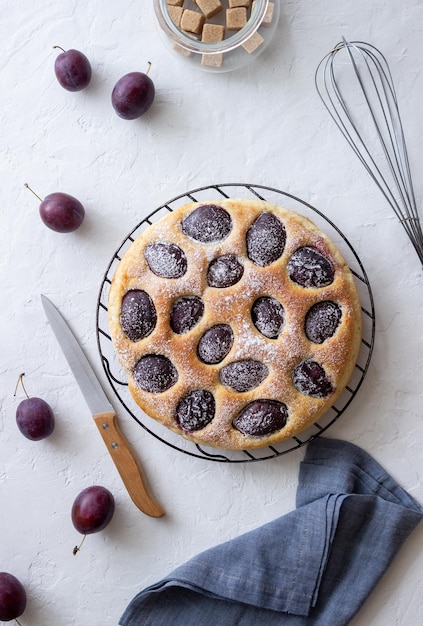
(213, 32)
(175, 3)
(236, 18)
(192, 21)
(212, 60)
(268, 16)
(175, 14)
(253, 43)
(209, 7)
(193, 36)
(239, 3)
(181, 50)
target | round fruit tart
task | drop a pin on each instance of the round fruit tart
(238, 322)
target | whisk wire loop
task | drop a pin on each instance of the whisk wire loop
(360, 149)
(391, 172)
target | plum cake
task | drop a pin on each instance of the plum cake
(238, 322)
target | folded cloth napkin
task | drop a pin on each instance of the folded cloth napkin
(316, 565)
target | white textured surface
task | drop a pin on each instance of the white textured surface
(263, 124)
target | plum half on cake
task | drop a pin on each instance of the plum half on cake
(238, 322)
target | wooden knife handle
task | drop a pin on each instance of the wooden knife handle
(126, 464)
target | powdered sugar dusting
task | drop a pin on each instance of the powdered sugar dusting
(268, 317)
(166, 260)
(215, 344)
(261, 417)
(322, 321)
(250, 342)
(309, 268)
(254, 357)
(243, 375)
(266, 239)
(138, 314)
(208, 223)
(155, 373)
(186, 313)
(195, 410)
(224, 271)
(310, 378)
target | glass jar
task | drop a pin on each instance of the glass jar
(237, 49)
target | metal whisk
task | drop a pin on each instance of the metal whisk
(355, 84)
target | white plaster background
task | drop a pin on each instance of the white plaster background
(263, 124)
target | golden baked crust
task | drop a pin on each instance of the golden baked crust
(232, 306)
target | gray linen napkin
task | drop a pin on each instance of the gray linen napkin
(315, 565)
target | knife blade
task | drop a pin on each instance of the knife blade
(103, 413)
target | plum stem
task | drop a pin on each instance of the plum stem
(60, 48)
(32, 191)
(20, 381)
(148, 68)
(18, 622)
(77, 548)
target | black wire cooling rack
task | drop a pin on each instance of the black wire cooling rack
(117, 377)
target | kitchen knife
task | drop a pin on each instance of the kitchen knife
(103, 413)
